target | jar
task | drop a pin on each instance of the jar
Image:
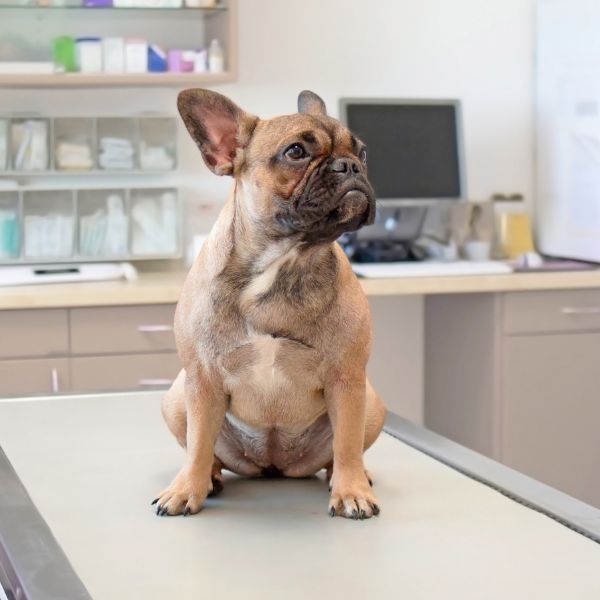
(89, 54)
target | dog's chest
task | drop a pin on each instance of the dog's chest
(273, 381)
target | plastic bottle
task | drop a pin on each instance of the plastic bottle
(216, 57)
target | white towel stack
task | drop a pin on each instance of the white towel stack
(116, 154)
(155, 158)
(72, 156)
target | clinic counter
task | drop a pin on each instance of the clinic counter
(165, 287)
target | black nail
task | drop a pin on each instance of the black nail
(187, 511)
(154, 501)
(376, 509)
(332, 511)
(355, 514)
(370, 482)
(363, 514)
(158, 509)
(164, 512)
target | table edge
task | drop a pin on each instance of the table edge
(566, 510)
(33, 566)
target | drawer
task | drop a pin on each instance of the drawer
(552, 311)
(33, 333)
(127, 372)
(34, 376)
(121, 329)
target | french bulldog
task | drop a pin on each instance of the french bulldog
(272, 327)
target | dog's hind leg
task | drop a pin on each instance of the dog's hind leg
(174, 411)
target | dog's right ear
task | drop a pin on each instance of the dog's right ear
(217, 125)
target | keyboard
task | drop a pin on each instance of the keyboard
(430, 269)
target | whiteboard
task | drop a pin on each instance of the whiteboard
(568, 128)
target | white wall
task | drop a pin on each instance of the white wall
(478, 51)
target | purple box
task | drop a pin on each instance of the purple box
(174, 61)
(97, 3)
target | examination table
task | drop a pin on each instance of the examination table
(77, 475)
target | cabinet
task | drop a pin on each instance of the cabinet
(515, 376)
(57, 351)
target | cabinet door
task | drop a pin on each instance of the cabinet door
(25, 333)
(34, 376)
(121, 329)
(551, 410)
(127, 372)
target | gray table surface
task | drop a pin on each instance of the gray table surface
(92, 465)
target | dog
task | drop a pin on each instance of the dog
(272, 326)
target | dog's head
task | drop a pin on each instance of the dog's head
(306, 173)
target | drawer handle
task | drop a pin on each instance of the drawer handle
(55, 386)
(154, 328)
(150, 382)
(580, 310)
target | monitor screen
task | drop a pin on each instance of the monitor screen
(412, 148)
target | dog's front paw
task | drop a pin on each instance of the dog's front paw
(352, 497)
(185, 495)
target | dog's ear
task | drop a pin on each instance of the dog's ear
(217, 125)
(311, 104)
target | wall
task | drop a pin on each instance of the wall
(480, 52)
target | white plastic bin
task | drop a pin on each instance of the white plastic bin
(103, 223)
(48, 224)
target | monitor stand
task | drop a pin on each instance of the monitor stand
(392, 238)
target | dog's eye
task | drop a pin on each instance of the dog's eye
(295, 152)
(362, 155)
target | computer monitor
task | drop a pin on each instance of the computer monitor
(415, 159)
(414, 147)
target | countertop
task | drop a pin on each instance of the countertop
(164, 288)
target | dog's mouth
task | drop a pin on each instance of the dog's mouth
(321, 219)
(354, 203)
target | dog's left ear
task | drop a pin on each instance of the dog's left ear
(217, 125)
(311, 104)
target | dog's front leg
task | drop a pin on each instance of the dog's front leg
(205, 412)
(351, 494)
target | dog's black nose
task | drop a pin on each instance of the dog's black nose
(344, 165)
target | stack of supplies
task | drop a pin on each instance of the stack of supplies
(30, 145)
(48, 236)
(3, 144)
(9, 234)
(116, 154)
(155, 225)
(73, 156)
(155, 158)
(104, 233)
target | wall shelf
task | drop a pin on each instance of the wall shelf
(75, 80)
(169, 28)
(206, 10)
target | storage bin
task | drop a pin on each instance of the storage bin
(10, 225)
(73, 142)
(4, 144)
(48, 224)
(30, 144)
(103, 223)
(154, 222)
(157, 143)
(116, 143)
